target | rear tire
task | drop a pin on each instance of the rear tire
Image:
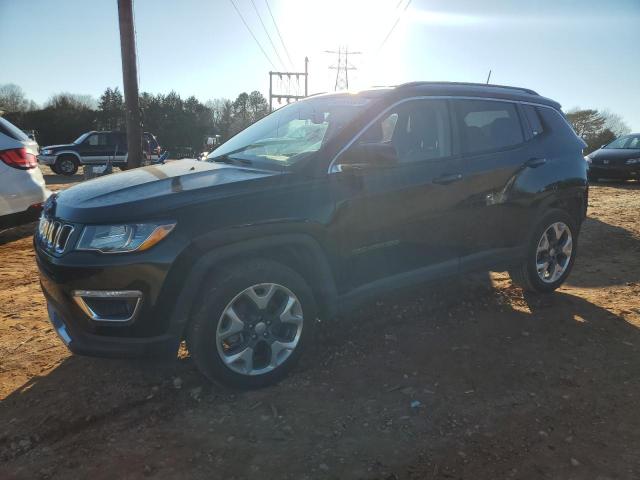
(255, 320)
(66, 165)
(548, 262)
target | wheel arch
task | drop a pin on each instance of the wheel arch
(301, 252)
(68, 153)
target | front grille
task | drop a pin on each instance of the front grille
(54, 234)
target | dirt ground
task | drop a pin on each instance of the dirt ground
(466, 380)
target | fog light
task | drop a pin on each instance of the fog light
(117, 306)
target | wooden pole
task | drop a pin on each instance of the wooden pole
(306, 76)
(130, 83)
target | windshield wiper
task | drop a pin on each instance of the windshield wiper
(231, 160)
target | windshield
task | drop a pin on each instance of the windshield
(292, 131)
(81, 138)
(629, 142)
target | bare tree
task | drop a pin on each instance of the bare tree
(12, 99)
(586, 123)
(74, 100)
(615, 123)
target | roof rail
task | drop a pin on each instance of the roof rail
(468, 84)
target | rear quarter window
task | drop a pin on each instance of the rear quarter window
(487, 125)
(533, 119)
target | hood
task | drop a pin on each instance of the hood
(614, 154)
(55, 147)
(152, 191)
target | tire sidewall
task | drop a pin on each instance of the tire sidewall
(223, 288)
(60, 171)
(544, 223)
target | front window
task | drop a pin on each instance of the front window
(293, 132)
(81, 138)
(628, 142)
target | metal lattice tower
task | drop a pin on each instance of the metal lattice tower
(343, 67)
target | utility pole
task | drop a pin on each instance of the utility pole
(288, 96)
(130, 83)
(342, 68)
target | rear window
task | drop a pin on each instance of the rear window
(487, 125)
(12, 131)
(533, 118)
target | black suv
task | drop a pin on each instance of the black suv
(94, 148)
(321, 204)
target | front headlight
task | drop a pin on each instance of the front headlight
(134, 237)
(47, 151)
(587, 159)
(633, 161)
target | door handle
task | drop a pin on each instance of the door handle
(535, 162)
(448, 178)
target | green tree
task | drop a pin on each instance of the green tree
(111, 110)
(258, 105)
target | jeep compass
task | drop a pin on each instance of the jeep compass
(319, 205)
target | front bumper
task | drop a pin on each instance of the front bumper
(615, 171)
(46, 159)
(148, 332)
(84, 343)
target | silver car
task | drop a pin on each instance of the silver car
(22, 186)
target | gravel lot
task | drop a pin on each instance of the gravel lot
(471, 379)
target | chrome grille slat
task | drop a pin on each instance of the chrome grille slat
(54, 235)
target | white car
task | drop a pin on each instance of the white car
(22, 187)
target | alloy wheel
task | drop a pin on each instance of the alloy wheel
(554, 251)
(259, 329)
(66, 166)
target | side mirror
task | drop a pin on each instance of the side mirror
(363, 156)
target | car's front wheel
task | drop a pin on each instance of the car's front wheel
(254, 321)
(66, 165)
(549, 255)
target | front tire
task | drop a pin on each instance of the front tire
(550, 254)
(66, 165)
(254, 322)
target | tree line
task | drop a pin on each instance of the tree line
(178, 123)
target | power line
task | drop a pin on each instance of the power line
(267, 32)
(251, 32)
(394, 25)
(279, 34)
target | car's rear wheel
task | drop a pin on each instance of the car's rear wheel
(550, 254)
(253, 324)
(66, 165)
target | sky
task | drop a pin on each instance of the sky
(582, 53)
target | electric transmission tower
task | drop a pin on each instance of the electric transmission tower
(343, 67)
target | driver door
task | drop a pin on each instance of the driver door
(402, 218)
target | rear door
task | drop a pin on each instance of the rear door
(402, 218)
(494, 151)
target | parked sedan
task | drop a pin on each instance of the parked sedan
(619, 159)
(22, 187)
